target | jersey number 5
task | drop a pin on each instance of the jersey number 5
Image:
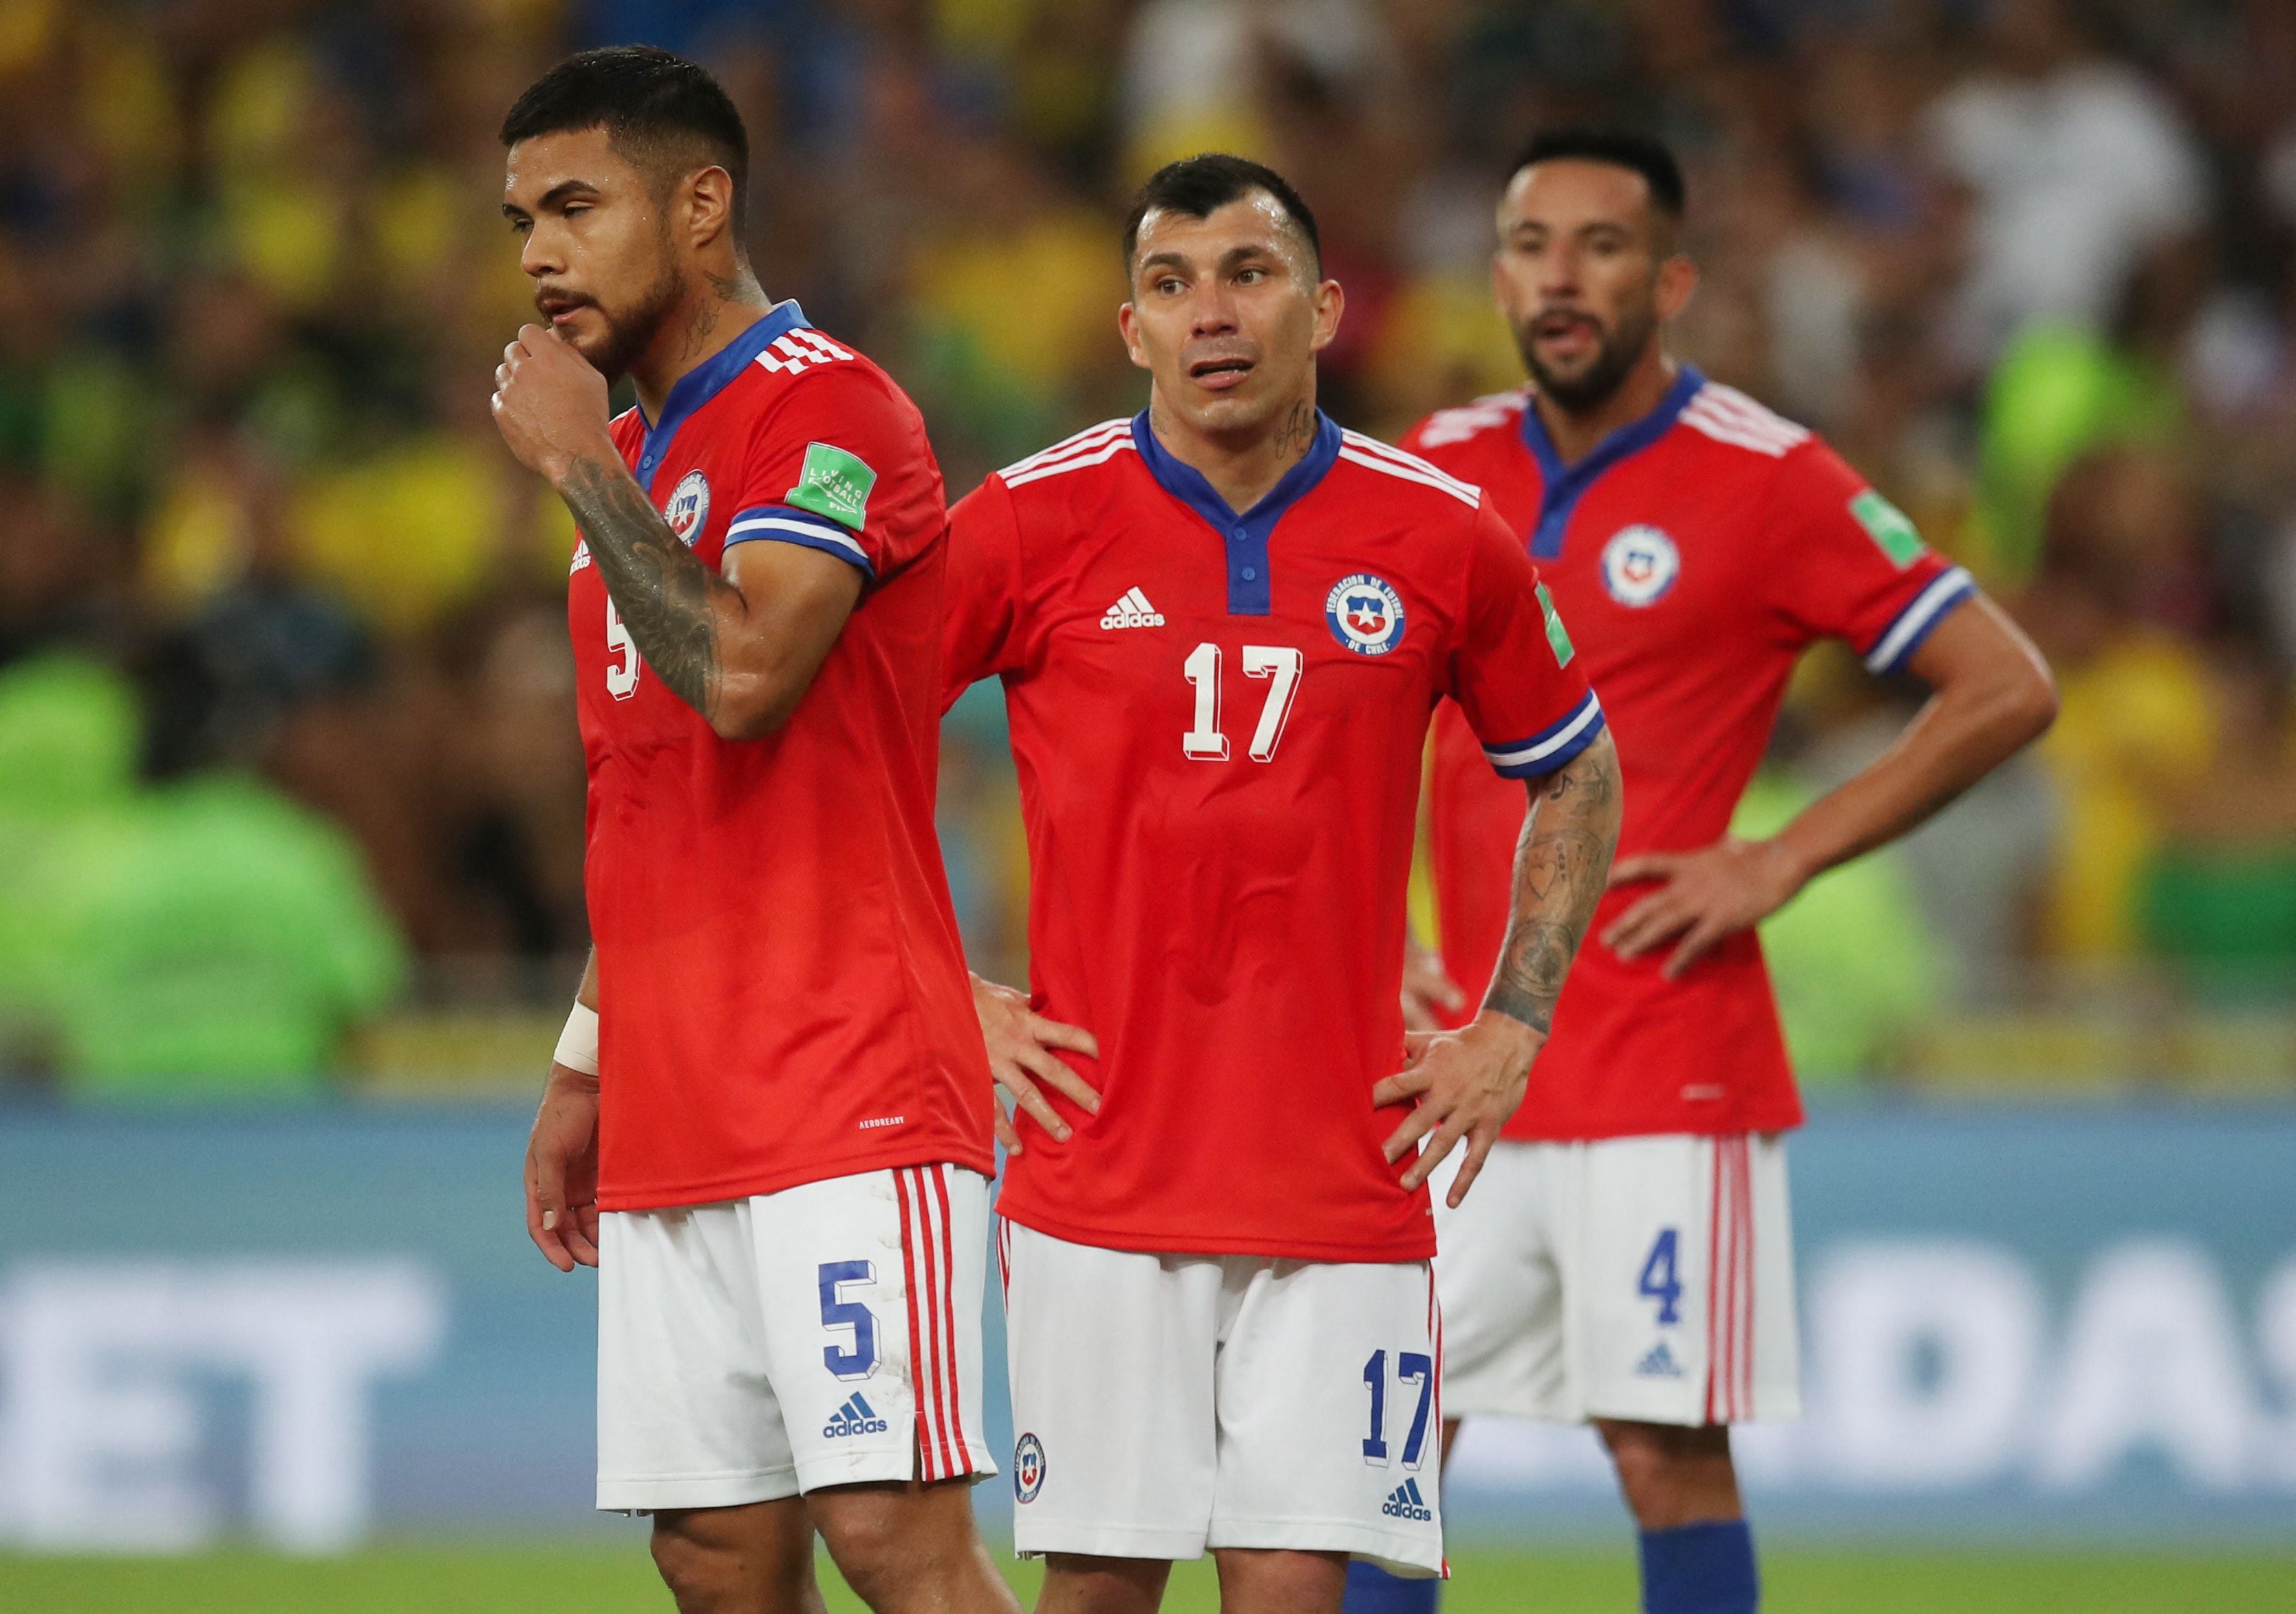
(1279, 664)
(621, 656)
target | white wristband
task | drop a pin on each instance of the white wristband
(577, 1044)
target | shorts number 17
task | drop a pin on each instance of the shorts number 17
(1411, 1367)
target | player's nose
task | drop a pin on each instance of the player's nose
(539, 255)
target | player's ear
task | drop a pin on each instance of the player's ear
(1127, 325)
(710, 205)
(1678, 279)
(1330, 303)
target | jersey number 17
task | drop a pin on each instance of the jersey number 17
(1280, 665)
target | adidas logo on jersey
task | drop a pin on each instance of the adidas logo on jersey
(1405, 1501)
(1133, 611)
(855, 1417)
(1659, 1362)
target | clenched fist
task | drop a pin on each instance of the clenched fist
(550, 404)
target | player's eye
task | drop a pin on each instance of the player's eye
(1251, 277)
(1170, 286)
(572, 210)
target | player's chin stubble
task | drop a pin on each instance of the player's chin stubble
(628, 334)
(1591, 387)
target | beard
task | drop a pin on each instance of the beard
(1614, 360)
(630, 330)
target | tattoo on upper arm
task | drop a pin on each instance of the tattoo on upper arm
(1560, 866)
(666, 597)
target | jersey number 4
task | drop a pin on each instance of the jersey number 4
(1279, 664)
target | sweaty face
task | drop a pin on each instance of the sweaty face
(1577, 274)
(1228, 314)
(596, 242)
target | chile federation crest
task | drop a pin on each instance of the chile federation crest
(1028, 1468)
(1639, 564)
(688, 507)
(1365, 614)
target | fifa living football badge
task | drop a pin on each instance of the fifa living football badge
(1640, 564)
(1028, 1468)
(1365, 614)
(835, 484)
(689, 507)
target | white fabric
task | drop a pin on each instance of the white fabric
(1552, 1282)
(577, 1043)
(828, 1334)
(2076, 176)
(1165, 1404)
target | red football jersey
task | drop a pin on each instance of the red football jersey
(1698, 551)
(781, 991)
(1218, 722)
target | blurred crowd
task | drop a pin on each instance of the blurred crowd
(286, 702)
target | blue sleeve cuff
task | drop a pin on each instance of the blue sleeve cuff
(1552, 747)
(1904, 636)
(784, 524)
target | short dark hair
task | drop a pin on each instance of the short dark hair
(661, 112)
(1646, 154)
(1199, 186)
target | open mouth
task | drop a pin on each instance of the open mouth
(1219, 374)
(558, 309)
(1566, 329)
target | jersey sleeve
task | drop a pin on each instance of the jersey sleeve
(839, 464)
(1850, 565)
(981, 633)
(1513, 670)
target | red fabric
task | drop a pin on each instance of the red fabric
(1231, 929)
(782, 995)
(1770, 558)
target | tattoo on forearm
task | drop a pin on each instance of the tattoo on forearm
(667, 599)
(1559, 864)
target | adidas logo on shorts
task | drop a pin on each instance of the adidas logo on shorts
(1659, 1362)
(855, 1417)
(1133, 611)
(1405, 1501)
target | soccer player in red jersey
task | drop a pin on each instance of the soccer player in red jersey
(1222, 627)
(770, 1125)
(1626, 1258)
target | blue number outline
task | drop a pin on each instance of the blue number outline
(1417, 1367)
(1375, 1374)
(1660, 1281)
(836, 1312)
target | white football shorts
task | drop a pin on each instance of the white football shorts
(1642, 1278)
(827, 1334)
(1163, 1404)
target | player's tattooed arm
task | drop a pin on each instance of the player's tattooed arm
(1561, 863)
(1466, 1082)
(740, 647)
(672, 605)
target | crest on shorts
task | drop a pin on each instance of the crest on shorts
(1639, 564)
(1365, 614)
(688, 507)
(1028, 1467)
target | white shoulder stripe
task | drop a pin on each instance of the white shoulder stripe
(1740, 433)
(1409, 461)
(1728, 416)
(1471, 498)
(1773, 446)
(1730, 401)
(1092, 437)
(1107, 450)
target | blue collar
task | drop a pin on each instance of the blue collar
(1564, 486)
(707, 379)
(1244, 536)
